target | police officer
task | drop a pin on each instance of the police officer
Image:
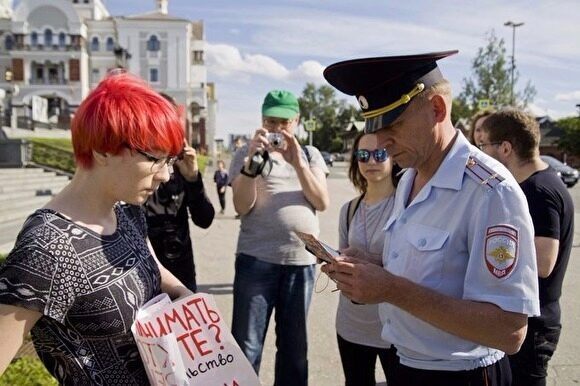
(458, 280)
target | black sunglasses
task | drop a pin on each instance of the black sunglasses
(364, 155)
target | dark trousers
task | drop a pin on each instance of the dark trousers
(259, 289)
(530, 364)
(222, 198)
(358, 362)
(497, 374)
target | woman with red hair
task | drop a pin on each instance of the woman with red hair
(82, 265)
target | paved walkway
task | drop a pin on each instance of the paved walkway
(214, 255)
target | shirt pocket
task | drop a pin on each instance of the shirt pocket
(427, 254)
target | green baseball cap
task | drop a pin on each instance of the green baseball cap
(280, 104)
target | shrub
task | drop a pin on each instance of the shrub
(27, 371)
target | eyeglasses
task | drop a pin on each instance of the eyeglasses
(275, 122)
(364, 155)
(482, 146)
(158, 163)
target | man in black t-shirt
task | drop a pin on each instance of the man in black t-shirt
(513, 137)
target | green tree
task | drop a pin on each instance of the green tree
(570, 140)
(491, 80)
(331, 114)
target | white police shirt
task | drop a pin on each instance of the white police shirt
(468, 234)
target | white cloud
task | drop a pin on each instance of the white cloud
(573, 96)
(309, 70)
(536, 110)
(227, 62)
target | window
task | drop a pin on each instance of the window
(110, 44)
(34, 39)
(153, 43)
(48, 37)
(153, 75)
(96, 75)
(197, 56)
(9, 42)
(39, 75)
(62, 39)
(95, 45)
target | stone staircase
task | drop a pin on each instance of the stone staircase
(23, 190)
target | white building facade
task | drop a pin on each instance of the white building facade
(60, 50)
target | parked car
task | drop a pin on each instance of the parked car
(339, 157)
(568, 174)
(328, 158)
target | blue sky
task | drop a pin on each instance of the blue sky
(254, 46)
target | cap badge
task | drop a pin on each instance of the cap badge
(362, 101)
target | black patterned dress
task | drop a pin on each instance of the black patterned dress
(88, 288)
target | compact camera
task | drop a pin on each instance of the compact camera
(275, 139)
(172, 244)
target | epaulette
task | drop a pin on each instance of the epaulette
(481, 173)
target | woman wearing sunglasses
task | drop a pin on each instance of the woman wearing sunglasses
(82, 265)
(358, 327)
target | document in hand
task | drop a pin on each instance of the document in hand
(319, 249)
(186, 342)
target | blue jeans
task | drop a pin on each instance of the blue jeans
(259, 287)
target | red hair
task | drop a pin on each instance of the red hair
(123, 111)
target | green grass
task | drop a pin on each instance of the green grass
(60, 143)
(64, 160)
(27, 371)
(202, 161)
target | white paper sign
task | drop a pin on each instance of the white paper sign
(186, 342)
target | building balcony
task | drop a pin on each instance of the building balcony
(43, 48)
(51, 82)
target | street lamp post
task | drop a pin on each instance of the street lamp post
(310, 127)
(513, 25)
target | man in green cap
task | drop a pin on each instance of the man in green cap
(277, 188)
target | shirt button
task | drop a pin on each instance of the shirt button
(404, 220)
(422, 242)
(388, 321)
(395, 255)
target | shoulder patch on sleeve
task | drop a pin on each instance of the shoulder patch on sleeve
(501, 250)
(482, 173)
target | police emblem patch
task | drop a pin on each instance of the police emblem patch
(501, 250)
(362, 101)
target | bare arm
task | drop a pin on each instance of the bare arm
(546, 254)
(15, 324)
(312, 180)
(169, 283)
(483, 323)
(244, 193)
(243, 187)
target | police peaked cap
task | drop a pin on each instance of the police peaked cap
(384, 86)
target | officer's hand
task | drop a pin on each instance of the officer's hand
(188, 164)
(360, 281)
(362, 255)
